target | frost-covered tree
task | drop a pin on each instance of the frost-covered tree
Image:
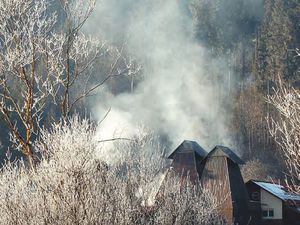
(254, 169)
(286, 130)
(71, 185)
(44, 63)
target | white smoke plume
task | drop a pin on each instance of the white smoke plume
(176, 97)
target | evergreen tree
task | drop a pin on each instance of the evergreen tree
(272, 45)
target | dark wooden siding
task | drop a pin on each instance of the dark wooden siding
(273, 222)
(223, 177)
(215, 177)
(239, 193)
(253, 190)
(184, 164)
(254, 204)
(255, 213)
(291, 216)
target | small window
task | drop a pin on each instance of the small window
(268, 213)
(255, 196)
(265, 213)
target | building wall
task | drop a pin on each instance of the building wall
(291, 215)
(273, 222)
(184, 164)
(238, 193)
(269, 201)
(215, 177)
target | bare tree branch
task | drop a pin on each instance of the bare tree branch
(286, 130)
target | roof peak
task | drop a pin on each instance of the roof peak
(220, 150)
(188, 145)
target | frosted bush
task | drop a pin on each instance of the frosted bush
(72, 186)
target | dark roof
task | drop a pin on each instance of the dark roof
(277, 190)
(187, 146)
(225, 151)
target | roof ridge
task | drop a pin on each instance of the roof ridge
(229, 153)
(190, 145)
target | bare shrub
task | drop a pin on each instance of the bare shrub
(254, 169)
(71, 186)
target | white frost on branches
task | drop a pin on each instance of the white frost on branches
(46, 64)
(71, 186)
(286, 130)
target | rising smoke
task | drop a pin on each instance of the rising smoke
(176, 96)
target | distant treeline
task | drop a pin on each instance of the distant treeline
(258, 40)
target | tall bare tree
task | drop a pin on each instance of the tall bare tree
(42, 62)
(286, 131)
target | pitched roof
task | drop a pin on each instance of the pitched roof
(187, 146)
(225, 151)
(277, 190)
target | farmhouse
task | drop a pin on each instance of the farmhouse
(274, 204)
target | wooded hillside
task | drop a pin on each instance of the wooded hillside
(257, 40)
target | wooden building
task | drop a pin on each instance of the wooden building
(221, 174)
(187, 158)
(217, 171)
(272, 204)
(253, 203)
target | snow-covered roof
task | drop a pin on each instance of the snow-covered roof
(277, 190)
